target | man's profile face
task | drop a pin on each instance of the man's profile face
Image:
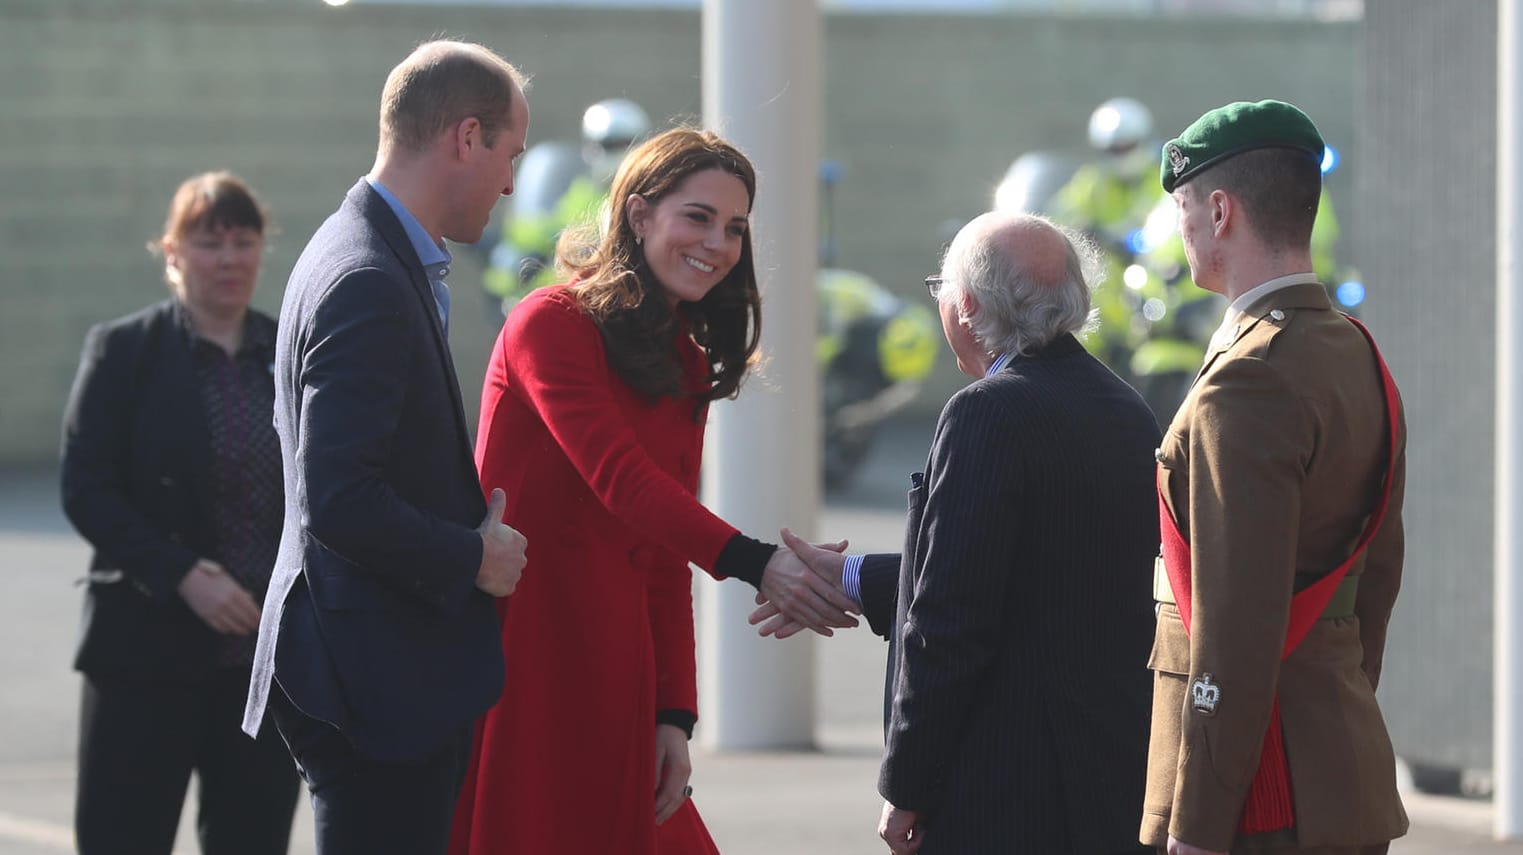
(959, 337)
(1195, 232)
(489, 173)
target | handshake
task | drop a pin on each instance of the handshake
(801, 589)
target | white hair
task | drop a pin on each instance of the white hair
(1017, 311)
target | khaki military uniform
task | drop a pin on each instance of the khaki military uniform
(1271, 468)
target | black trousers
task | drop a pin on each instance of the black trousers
(1373, 849)
(363, 806)
(138, 744)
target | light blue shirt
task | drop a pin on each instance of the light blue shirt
(851, 572)
(435, 258)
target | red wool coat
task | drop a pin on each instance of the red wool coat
(598, 635)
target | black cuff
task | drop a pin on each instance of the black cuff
(684, 719)
(744, 558)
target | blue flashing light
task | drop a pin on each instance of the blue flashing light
(1137, 242)
(1330, 158)
(1351, 293)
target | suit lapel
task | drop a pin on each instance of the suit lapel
(375, 210)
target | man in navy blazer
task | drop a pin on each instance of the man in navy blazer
(379, 643)
(1020, 614)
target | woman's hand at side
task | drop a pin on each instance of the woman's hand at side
(673, 768)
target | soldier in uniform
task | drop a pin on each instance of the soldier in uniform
(1280, 491)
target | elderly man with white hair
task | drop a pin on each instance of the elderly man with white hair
(1019, 615)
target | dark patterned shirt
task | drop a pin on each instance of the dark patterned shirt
(248, 500)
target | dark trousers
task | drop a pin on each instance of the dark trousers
(362, 806)
(1374, 849)
(139, 743)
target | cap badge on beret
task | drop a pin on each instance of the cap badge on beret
(1177, 159)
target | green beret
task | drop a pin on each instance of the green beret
(1238, 127)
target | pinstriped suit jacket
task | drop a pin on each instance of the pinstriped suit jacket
(1021, 615)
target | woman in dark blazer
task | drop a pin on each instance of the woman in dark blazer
(171, 470)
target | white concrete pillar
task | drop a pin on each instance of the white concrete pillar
(1507, 700)
(761, 90)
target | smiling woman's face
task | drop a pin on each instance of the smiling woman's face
(693, 237)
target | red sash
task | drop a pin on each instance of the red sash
(1269, 806)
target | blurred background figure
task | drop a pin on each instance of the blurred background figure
(1107, 199)
(171, 470)
(560, 184)
(1111, 195)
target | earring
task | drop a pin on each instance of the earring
(639, 240)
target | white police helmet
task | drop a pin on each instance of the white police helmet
(614, 123)
(1119, 124)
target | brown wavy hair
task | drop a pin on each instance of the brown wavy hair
(616, 288)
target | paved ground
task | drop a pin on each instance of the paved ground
(806, 803)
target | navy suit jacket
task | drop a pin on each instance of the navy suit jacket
(373, 622)
(1020, 614)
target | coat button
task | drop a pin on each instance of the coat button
(166, 481)
(1277, 315)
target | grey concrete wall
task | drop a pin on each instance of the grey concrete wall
(1428, 148)
(105, 106)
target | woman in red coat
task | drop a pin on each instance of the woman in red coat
(592, 421)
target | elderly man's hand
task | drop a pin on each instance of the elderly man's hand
(901, 830)
(802, 595)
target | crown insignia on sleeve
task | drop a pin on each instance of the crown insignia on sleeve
(1205, 694)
